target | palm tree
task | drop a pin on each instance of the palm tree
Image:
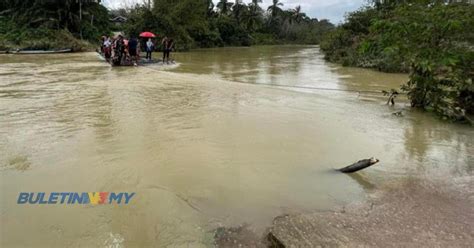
(297, 15)
(253, 19)
(256, 2)
(224, 7)
(239, 10)
(274, 9)
(210, 8)
(254, 7)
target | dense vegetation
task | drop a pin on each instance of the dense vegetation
(433, 40)
(46, 24)
(201, 24)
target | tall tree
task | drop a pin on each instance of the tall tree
(254, 17)
(224, 7)
(297, 15)
(254, 8)
(239, 10)
(255, 3)
(275, 9)
(210, 8)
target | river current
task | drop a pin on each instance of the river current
(209, 141)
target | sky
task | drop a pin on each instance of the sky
(334, 10)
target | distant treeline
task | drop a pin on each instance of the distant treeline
(433, 40)
(200, 23)
(47, 24)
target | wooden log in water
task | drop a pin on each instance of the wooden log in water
(359, 165)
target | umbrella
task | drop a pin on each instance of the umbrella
(147, 35)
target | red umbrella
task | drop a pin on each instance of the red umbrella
(147, 35)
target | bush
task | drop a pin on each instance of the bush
(431, 40)
(264, 39)
(36, 24)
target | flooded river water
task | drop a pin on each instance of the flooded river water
(203, 143)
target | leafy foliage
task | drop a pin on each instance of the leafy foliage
(191, 23)
(40, 24)
(201, 24)
(432, 40)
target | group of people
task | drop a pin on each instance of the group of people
(120, 51)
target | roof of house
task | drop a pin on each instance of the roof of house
(118, 19)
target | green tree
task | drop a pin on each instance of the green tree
(44, 24)
(210, 8)
(239, 11)
(430, 39)
(297, 16)
(274, 9)
(224, 7)
(254, 18)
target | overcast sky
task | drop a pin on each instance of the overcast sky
(333, 10)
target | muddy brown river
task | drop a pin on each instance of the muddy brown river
(207, 142)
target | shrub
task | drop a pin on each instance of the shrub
(430, 39)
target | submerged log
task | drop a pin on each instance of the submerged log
(359, 165)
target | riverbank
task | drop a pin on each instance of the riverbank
(412, 214)
(77, 45)
(49, 40)
(415, 38)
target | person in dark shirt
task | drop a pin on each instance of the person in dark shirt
(119, 50)
(170, 49)
(133, 50)
(167, 47)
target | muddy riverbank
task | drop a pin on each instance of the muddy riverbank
(412, 214)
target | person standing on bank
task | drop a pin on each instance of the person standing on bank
(149, 49)
(167, 45)
(170, 49)
(119, 50)
(107, 48)
(133, 50)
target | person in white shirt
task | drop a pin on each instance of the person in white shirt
(107, 42)
(107, 49)
(149, 49)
